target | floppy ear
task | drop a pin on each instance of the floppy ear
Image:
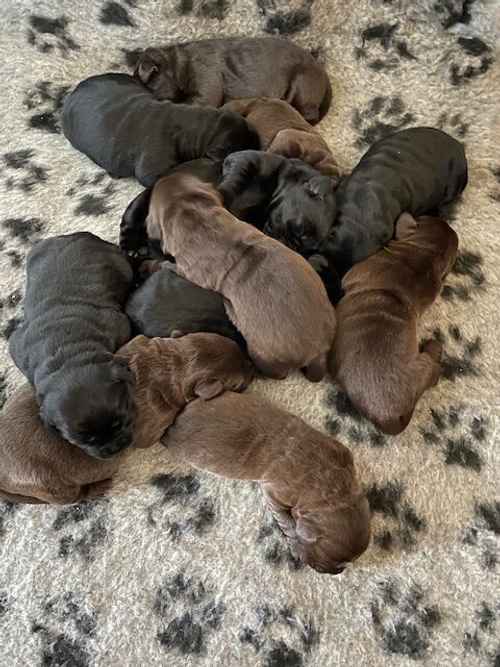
(133, 223)
(319, 186)
(207, 389)
(406, 225)
(306, 531)
(146, 68)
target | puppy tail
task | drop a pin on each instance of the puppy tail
(316, 370)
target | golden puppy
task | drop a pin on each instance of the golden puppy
(284, 131)
(272, 295)
(376, 357)
(308, 479)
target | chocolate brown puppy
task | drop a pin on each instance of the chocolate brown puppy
(38, 466)
(272, 295)
(308, 478)
(376, 358)
(282, 130)
(171, 372)
(214, 71)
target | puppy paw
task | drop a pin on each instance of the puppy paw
(434, 349)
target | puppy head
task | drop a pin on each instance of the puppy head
(302, 213)
(214, 364)
(156, 73)
(95, 409)
(327, 538)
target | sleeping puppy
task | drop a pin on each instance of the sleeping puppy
(119, 125)
(167, 304)
(77, 285)
(282, 130)
(214, 71)
(169, 373)
(375, 358)
(38, 466)
(308, 479)
(272, 295)
(415, 170)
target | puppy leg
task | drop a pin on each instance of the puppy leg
(316, 370)
(242, 168)
(281, 514)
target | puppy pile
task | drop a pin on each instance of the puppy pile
(248, 252)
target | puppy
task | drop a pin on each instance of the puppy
(375, 358)
(169, 373)
(77, 285)
(167, 305)
(119, 125)
(307, 478)
(415, 170)
(282, 130)
(214, 71)
(272, 295)
(38, 466)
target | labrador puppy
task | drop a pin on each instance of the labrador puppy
(308, 478)
(214, 71)
(38, 466)
(282, 130)
(376, 357)
(167, 304)
(118, 124)
(271, 294)
(77, 286)
(415, 170)
(171, 372)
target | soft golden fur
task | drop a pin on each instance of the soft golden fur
(308, 478)
(272, 295)
(376, 357)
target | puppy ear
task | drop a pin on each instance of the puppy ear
(133, 223)
(306, 531)
(208, 389)
(406, 225)
(319, 186)
(146, 68)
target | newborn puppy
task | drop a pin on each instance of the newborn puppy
(214, 71)
(308, 479)
(282, 130)
(38, 466)
(119, 125)
(169, 373)
(415, 170)
(77, 285)
(375, 358)
(169, 305)
(272, 295)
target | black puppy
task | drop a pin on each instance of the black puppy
(118, 124)
(414, 171)
(77, 285)
(167, 305)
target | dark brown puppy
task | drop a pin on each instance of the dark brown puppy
(214, 71)
(37, 465)
(170, 372)
(282, 130)
(308, 479)
(272, 295)
(376, 357)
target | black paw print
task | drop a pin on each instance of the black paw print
(496, 194)
(12, 302)
(275, 548)
(460, 433)
(382, 116)
(209, 9)
(461, 357)
(484, 531)
(403, 523)
(67, 631)
(453, 124)
(84, 528)
(198, 511)
(481, 640)
(279, 19)
(46, 34)
(20, 172)
(478, 56)
(403, 623)
(113, 13)
(263, 635)
(453, 12)
(187, 633)
(96, 201)
(346, 420)
(383, 47)
(468, 268)
(47, 99)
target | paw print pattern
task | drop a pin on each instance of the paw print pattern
(46, 34)
(198, 511)
(478, 56)
(20, 172)
(461, 356)
(453, 124)
(495, 195)
(83, 528)
(453, 12)
(460, 433)
(402, 523)
(93, 192)
(46, 99)
(10, 317)
(381, 117)
(209, 9)
(484, 533)
(67, 631)
(480, 639)
(466, 278)
(403, 622)
(283, 18)
(264, 635)
(113, 13)
(382, 48)
(275, 548)
(189, 632)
